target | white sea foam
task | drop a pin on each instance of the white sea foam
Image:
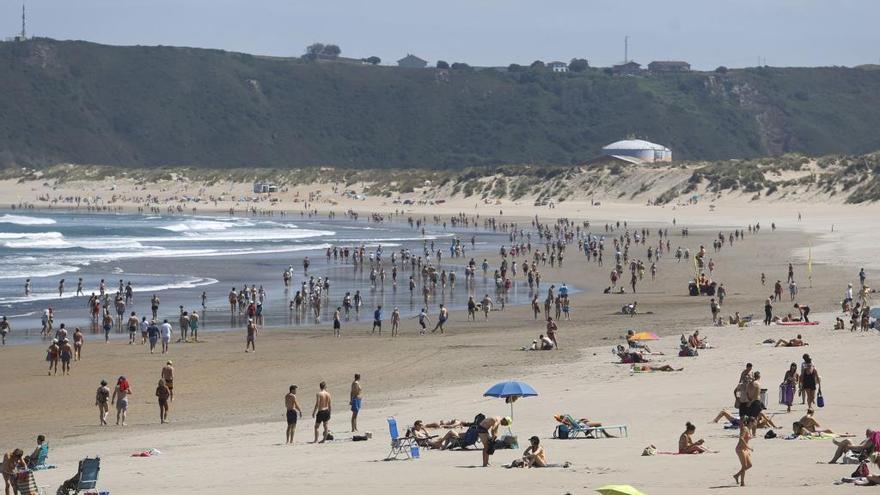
(206, 225)
(55, 240)
(23, 220)
(143, 289)
(23, 270)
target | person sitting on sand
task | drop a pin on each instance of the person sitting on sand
(647, 368)
(869, 479)
(735, 319)
(635, 344)
(762, 420)
(629, 357)
(870, 443)
(544, 343)
(839, 324)
(686, 443)
(630, 309)
(533, 456)
(808, 426)
(795, 342)
(696, 341)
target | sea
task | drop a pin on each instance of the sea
(178, 257)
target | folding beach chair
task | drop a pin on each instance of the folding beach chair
(576, 428)
(469, 439)
(399, 445)
(27, 485)
(86, 477)
(39, 463)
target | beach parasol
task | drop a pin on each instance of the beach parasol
(618, 490)
(510, 391)
(645, 336)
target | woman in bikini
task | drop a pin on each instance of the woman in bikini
(743, 451)
(52, 357)
(686, 443)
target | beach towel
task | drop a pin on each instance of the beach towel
(797, 323)
(147, 453)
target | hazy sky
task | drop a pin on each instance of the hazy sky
(706, 33)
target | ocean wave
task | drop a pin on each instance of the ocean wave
(189, 283)
(23, 220)
(35, 271)
(56, 240)
(206, 225)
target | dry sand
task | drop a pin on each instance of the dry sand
(227, 430)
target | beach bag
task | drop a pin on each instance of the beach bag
(820, 400)
(861, 471)
(561, 432)
(649, 451)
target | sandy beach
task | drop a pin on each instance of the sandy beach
(226, 433)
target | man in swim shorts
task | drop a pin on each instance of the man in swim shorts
(321, 412)
(168, 376)
(293, 412)
(355, 401)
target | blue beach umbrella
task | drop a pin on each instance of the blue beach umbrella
(510, 391)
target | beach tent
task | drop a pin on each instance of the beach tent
(510, 391)
(618, 490)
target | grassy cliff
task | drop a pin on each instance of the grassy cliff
(77, 102)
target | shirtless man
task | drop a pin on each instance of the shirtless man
(488, 431)
(795, 342)
(133, 326)
(168, 376)
(65, 351)
(355, 401)
(293, 413)
(321, 412)
(251, 336)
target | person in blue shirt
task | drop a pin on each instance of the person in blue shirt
(377, 320)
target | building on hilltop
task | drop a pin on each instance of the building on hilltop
(627, 69)
(265, 187)
(669, 66)
(558, 66)
(412, 62)
(642, 151)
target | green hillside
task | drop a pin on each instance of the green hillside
(160, 106)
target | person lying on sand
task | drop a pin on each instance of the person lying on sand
(425, 439)
(451, 423)
(686, 443)
(533, 456)
(795, 342)
(808, 426)
(647, 368)
(583, 422)
(763, 421)
(870, 479)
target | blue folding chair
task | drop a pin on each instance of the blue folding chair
(405, 446)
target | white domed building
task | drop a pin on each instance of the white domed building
(643, 151)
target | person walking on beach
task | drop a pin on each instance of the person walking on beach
(194, 326)
(743, 451)
(293, 413)
(377, 320)
(790, 273)
(168, 378)
(154, 306)
(102, 402)
(5, 329)
(108, 325)
(165, 334)
(79, 288)
(163, 393)
(337, 323)
(395, 322)
(251, 336)
(810, 381)
(120, 398)
(133, 325)
(552, 327)
(424, 319)
(768, 310)
(65, 352)
(441, 319)
(355, 401)
(321, 412)
(78, 341)
(52, 357)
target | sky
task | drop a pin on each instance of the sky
(706, 33)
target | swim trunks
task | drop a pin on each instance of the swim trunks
(355, 405)
(291, 417)
(122, 404)
(322, 416)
